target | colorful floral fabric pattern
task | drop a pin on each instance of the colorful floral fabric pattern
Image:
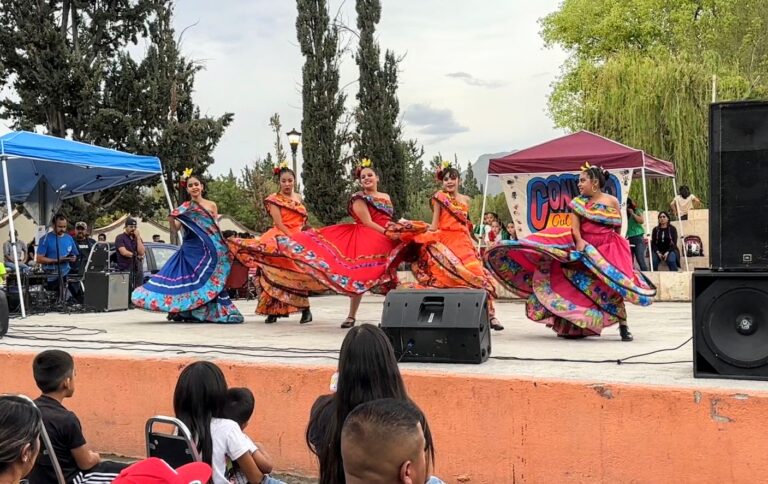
(574, 293)
(191, 283)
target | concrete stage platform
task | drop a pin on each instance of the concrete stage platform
(506, 420)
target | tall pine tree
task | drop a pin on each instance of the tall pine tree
(377, 115)
(323, 174)
(469, 183)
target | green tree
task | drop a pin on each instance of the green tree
(640, 72)
(232, 198)
(325, 181)
(378, 110)
(68, 65)
(469, 183)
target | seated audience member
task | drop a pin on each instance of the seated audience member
(21, 252)
(382, 442)
(664, 244)
(367, 371)
(239, 408)
(20, 428)
(686, 201)
(199, 400)
(54, 372)
(157, 471)
(101, 238)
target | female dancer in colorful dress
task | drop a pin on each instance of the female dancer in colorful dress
(447, 256)
(190, 286)
(576, 279)
(284, 286)
(355, 258)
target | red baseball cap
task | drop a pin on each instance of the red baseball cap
(157, 471)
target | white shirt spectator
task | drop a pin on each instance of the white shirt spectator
(229, 441)
(21, 251)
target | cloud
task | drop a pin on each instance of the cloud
(468, 78)
(433, 121)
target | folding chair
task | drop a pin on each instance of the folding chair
(176, 448)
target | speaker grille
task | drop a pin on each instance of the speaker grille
(738, 176)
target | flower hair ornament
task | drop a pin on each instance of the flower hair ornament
(184, 175)
(279, 166)
(444, 165)
(586, 166)
(364, 163)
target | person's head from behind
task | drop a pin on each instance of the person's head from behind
(383, 442)
(54, 372)
(200, 395)
(684, 191)
(239, 406)
(367, 369)
(20, 427)
(227, 234)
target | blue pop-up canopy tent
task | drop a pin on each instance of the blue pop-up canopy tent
(35, 166)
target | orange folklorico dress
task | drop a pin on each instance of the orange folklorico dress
(279, 277)
(447, 257)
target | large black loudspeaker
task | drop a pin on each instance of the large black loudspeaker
(738, 172)
(438, 326)
(730, 325)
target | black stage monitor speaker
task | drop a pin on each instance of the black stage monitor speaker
(730, 325)
(738, 173)
(438, 325)
(107, 291)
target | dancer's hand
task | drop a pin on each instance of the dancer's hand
(581, 245)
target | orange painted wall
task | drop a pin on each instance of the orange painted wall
(487, 430)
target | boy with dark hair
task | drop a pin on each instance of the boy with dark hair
(239, 407)
(54, 372)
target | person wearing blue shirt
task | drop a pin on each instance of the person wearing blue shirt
(57, 249)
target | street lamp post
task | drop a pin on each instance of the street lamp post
(294, 138)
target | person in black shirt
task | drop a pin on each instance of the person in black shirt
(664, 244)
(54, 372)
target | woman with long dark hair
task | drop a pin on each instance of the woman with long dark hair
(575, 279)
(198, 401)
(285, 288)
(664, 244)
(191, 286)
(20, 428)
(367, 371)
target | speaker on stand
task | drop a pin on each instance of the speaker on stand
(438, 325)
(730, 300)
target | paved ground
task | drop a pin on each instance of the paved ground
(135, 332)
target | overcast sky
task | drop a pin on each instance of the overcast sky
(474, 78)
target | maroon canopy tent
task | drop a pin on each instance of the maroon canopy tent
(568, 154)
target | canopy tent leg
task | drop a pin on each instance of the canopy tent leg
(482, 212)
(165, 189)
(645, 213)
(9, 206)
(682, 232)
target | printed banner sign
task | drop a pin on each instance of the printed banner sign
(540, 200)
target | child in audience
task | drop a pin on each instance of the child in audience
(239, 407)
(54, 372)
(199, 401)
